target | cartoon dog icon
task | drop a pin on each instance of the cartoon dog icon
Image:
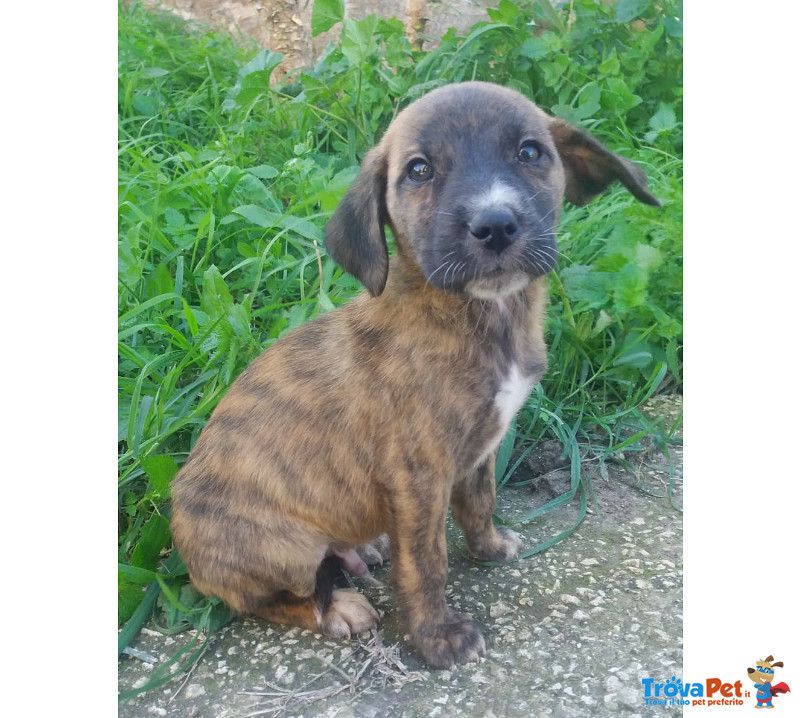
(761, 676)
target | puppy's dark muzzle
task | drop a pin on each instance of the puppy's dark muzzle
(497, 229)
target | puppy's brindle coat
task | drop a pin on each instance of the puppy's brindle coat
(376, 417)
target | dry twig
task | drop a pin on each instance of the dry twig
(381, 666)
(189, 673)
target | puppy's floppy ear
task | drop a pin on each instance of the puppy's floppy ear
(590, 167)
(354, 235)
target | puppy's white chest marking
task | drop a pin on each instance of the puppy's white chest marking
(508, 401)
(511, 395)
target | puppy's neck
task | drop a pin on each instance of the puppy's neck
(498, 334)
(406, 278)
(517, 314)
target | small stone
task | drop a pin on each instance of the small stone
(629, 697)
(479, 677)
(613, 683)
(500, 609)
(194, 690)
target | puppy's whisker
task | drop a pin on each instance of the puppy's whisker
(456, 270)
(550, 213)
(447, 271)
(445, 266)
(437, 251)
(430, 276)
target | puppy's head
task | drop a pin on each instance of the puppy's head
(471, 178)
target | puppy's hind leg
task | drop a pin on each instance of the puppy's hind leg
(372, 553)
(375, 552)
(331, 611)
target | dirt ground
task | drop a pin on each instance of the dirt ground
(255, 20)
(570, 632)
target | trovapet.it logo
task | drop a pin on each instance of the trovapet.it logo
(716, 692)
(712, 692)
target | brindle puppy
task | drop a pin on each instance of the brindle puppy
(376, 417)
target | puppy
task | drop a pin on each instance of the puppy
(376, 417)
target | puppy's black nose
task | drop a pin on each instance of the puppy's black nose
(497, 228)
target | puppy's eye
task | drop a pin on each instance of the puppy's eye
(529, 152)
(419, 170)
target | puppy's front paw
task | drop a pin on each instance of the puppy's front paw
(503, 545)
(348, 613)
(457, 640)
(510, 543)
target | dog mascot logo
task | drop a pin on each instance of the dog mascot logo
(761, 676)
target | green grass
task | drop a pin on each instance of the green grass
(225, 185)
